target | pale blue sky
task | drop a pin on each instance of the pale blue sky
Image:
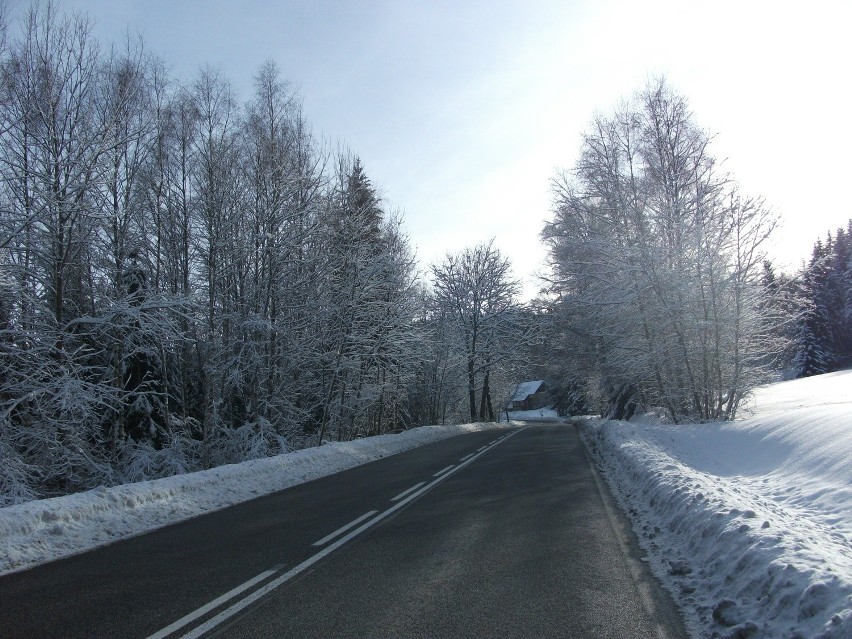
(462, 111)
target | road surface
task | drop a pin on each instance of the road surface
(491, 534)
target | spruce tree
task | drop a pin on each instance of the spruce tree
(824, 325)
(812, 358)
(813, 352)
(836, 297)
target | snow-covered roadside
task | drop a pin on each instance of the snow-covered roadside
(748, 523)
(40, 531)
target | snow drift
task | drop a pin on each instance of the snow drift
(748, 523)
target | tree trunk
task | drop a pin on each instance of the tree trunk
(471, 388)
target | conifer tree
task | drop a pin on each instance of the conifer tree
(824, 324)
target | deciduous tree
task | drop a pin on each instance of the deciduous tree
(476, 289)
(659, 257)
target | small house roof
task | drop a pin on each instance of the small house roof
(525, 389)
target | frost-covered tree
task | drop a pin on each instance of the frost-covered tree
(438, 388)
(658, 258)
(184, 280)
(476, 289)
(367, 296)
(59, 130)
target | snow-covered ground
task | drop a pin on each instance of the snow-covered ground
(535, 415)
(748, 523)
(44, 530)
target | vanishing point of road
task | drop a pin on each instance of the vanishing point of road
(502, 533)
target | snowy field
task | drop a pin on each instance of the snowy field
(44, 530)
(749, 523)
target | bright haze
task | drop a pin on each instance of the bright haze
(462, 112)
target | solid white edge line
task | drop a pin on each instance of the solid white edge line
(443, 470)
(200, 612)
(405, 492)
(343, 529)
(261, 592)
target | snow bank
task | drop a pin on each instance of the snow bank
(748, 523)
(40, 531)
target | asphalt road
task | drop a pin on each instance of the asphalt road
(493, 534)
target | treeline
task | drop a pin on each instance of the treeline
(189, 281)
